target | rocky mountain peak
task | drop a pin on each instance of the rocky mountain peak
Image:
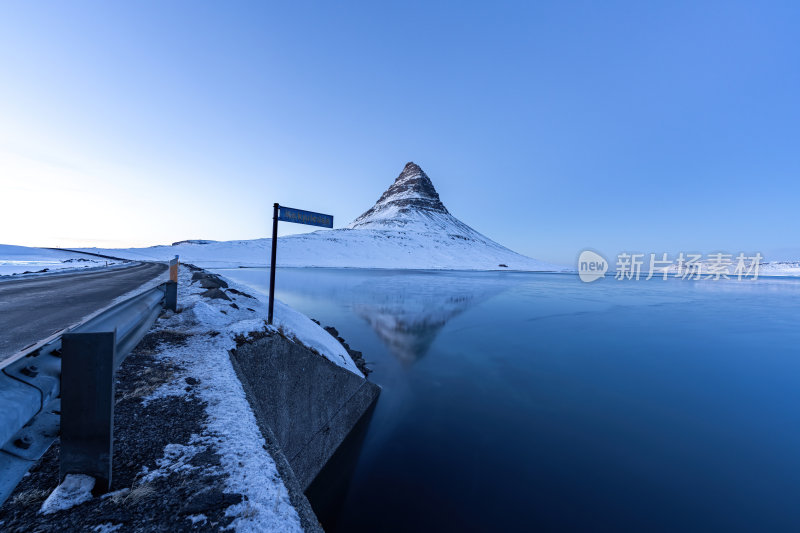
(411, 168)
(412, 191)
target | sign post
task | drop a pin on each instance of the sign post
(298, 216)
(276, 207)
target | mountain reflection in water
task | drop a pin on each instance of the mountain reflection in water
(406, 312)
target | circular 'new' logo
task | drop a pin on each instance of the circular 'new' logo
(591, 266)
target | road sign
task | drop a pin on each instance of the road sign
(298, 216)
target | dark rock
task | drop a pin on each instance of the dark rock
(216, 294)
(240, 293)
(209, 283)
(241, 339)
(192, 381)
(235, 306)
(212, 282)
(192, 241)
(355, 355)
(37, 271)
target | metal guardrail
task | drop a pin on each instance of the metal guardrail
(66, 387)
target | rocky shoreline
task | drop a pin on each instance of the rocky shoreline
(358, 357)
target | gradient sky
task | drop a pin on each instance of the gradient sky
(549, 127)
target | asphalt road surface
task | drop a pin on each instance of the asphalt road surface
(33, 309)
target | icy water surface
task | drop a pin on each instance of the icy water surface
(523, 402)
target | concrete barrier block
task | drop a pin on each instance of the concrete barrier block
(310, 404)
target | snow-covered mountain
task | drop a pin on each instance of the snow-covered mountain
(408, 228)
(411, 203)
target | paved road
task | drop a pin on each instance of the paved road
(35, 308)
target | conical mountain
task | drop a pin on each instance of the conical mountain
(411, 192)
(411, 204)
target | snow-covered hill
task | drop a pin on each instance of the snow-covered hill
(25, 260)
(407, 228)
(780, 268)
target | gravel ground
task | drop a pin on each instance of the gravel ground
(189, 498)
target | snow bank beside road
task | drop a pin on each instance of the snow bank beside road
(23, 259)
(214, 318)
(212, 325)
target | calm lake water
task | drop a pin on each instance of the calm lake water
(515, 401)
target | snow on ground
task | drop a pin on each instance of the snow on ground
(299, 327)
(232, 428)
(74, 490)
(706, 269)
(206, 313)
(362, 248)
(347, 248)
(780, 268)
(20, 259)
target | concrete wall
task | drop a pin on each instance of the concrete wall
(309, 404)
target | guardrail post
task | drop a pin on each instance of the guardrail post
(171, 296)
(173, 269)
(87, 406)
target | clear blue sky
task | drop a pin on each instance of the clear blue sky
(550, 127)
